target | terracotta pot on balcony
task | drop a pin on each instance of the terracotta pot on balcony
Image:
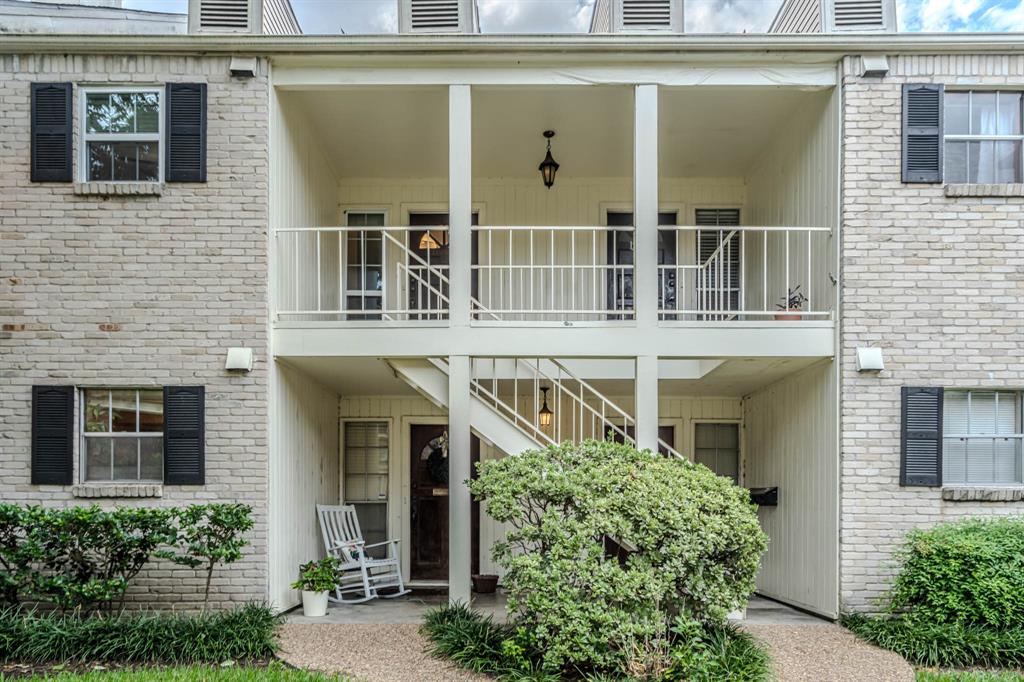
(789, 315)
(485, 583)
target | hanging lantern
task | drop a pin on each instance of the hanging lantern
(545, 414)
(548, 167)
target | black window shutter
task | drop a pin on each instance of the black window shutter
(51, 132)
(186, 132)
(184, 435)
(53, 434)
(922, 132)
(921, 437)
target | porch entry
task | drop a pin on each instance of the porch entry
(666, 434)
(428, 503)
(431, 245)
(620, 252)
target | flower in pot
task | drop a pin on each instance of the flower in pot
(792, 302)
(316, 580)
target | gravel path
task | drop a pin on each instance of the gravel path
(371, 653)
(394, 652)
(813, 653)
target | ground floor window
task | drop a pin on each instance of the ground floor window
(982, 437)
(717, 446)
(365, 475)
(122, 434)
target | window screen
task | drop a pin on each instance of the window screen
(982, 437)
(366, 478)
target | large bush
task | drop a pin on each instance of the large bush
(80, 558)
(970, 572)
(693, 539)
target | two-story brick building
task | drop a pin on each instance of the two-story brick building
(734, 235)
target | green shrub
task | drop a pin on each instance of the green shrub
(207, 535)
(318, 576)
(968, 676)
(696, 538)
(945, 645)
(969, 572)
(242, 634)
(701, 654)
(77, 558)
(275, 672)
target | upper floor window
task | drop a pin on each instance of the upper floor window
(121, 134)
(984, 140)
(982, 437)
(122, 434)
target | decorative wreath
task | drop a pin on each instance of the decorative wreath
(435, 453)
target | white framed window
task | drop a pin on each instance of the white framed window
(122, 434)
(981, 437)
(716, 445)
(365, 477)
(121, 134)
(984, 138)
(364, 264)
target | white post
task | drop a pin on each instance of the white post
(647, 403)
(645, 205)
(460, 203)
(459, 501)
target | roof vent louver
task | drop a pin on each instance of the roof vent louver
(433, 16)
(860, 15)
(649, 15)
(223, 16)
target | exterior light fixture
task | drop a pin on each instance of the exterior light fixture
(545, 414)
(429, 242)
(548, 167)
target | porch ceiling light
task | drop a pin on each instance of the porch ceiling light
(429, 241)
(548, 167)
(545, 414)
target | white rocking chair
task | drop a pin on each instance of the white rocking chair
(360, 576)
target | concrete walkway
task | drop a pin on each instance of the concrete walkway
(380, 642)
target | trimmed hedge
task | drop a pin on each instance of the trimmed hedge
(969, 572)
(246, 633)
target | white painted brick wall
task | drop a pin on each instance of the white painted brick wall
(184, 274)
(938, 283)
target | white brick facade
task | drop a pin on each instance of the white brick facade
(937, 282)
(178, 277)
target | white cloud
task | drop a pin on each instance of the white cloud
(729, 16)
(535, 16)
(1004, 18)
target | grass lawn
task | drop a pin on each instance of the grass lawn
(273, 673)
(973, 676)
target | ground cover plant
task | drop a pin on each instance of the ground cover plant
(617, 562)
(968, 676)
(958, 599)
(271, 673)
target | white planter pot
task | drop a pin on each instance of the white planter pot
(314, 604)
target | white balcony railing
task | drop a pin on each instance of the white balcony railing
(360, 273)
(745, 273)
(553, 274)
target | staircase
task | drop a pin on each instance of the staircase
(507, 397)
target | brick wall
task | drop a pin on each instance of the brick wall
(938, 283)
(129, 290)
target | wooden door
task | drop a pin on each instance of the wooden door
(620, 253)
(428, 544)
(428, 291)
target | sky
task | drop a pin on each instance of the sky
(701, 16)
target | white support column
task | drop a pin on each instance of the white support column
(460, 506)
(647, 403)
(460, 202)
(645, 204)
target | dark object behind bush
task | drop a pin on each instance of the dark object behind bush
(80, 557)
(969, 572)
(242, 634)
(476, 643)
(943, 645)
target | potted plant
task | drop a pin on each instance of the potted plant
(316, 580)
(484, 583)
(792, 302)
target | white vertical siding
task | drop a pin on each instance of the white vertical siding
(796, 183)
(303, 473)
(279, 19)
(798, 16)
(791, 440)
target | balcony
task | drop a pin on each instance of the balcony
(557, 274)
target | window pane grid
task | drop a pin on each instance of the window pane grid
(984, 141)
(116, 444)
(983, 441)
(121, 135)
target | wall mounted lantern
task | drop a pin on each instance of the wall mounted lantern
(548, 167)
(545, 414)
